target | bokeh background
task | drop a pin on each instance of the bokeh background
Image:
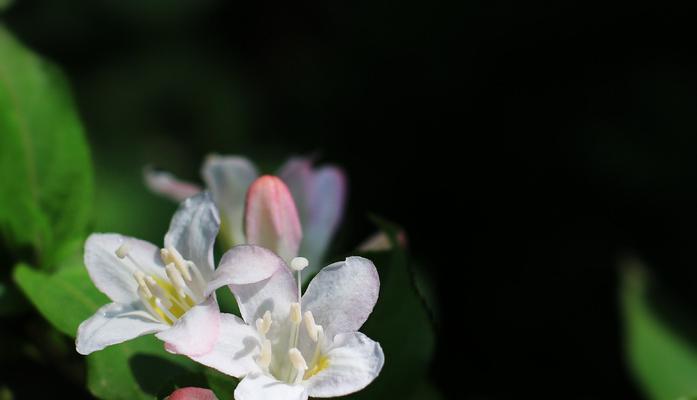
(526, 148)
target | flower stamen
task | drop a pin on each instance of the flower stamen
(298, 362)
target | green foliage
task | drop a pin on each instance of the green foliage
(45, 170)
(661, 353)
(5, 4)
(137, 369)
(402, 325)
(65, 298)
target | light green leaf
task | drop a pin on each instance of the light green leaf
(137, 369)
(662, 358)
(46, 179)
(65, 298)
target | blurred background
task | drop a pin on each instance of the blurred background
(525, 148)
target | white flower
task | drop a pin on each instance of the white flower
(318, 192)
(288, 346)
(163, 291)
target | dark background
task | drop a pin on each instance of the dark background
(524, 146)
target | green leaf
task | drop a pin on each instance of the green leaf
(65, 298)
(11, 300)
(46, 179)
(661, 352)
(400, 323)
(5, 4)
(137, 369)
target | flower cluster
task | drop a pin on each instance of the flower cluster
(287, 344)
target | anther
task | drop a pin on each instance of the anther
(297, 359)
(299, 263)
(158, 291)
(265, 354)
(310, 325)
(123, 251)
(264, 324)
(295, 314)
(175, 276)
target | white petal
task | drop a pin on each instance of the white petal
(167, 185)
(263, 387)
(245, 264)
(228, 179)
(354, 360)
(320, 196)
(235, 351)
(196, 332)
(343, 295)
(114, 276)
(193, 230)
(274, 294)
(114, 323)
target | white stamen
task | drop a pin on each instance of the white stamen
(158, 291)
(140, 278)
(265, 354)
(295, 314)
(165, 310)
(264, 324)
(299, 263)
(123, 250)
(175, 276)
(310, 325)
(296, 358)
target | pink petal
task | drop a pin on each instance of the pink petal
(320, 194)
(167, 185)
(196, 332)
(192, 393)
(271, 219)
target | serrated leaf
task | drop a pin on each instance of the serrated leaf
(136, 369)
(65, 298)
(662, 358)
(46, 181)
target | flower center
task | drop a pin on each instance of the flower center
(168, 297)
(285, 355)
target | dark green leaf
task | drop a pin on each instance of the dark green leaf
(137, 369)
(45, 170)
(662, 358)
(400, 323)
(65, 298)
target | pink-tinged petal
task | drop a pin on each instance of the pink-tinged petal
(196, 332)
(259, 386)
(343, 295)
(271, 219)
(244, 264)
(228, 179)
(236, 350)
(354, 360)
(114, 323)
(167, 185)
(114, 276)
(320, 195)
(193, 229)
(192, 393)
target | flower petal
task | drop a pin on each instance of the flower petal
(259, 386)
(354, 360)
(193, 230)
(320, 195)
(343, 295)
(244, 264)
(114, 276)
(192, 393)
(167, 185)
(114, 323)
(235, 351)
(196, 332)
(271, 219)
(228, 179)
(274, 294)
